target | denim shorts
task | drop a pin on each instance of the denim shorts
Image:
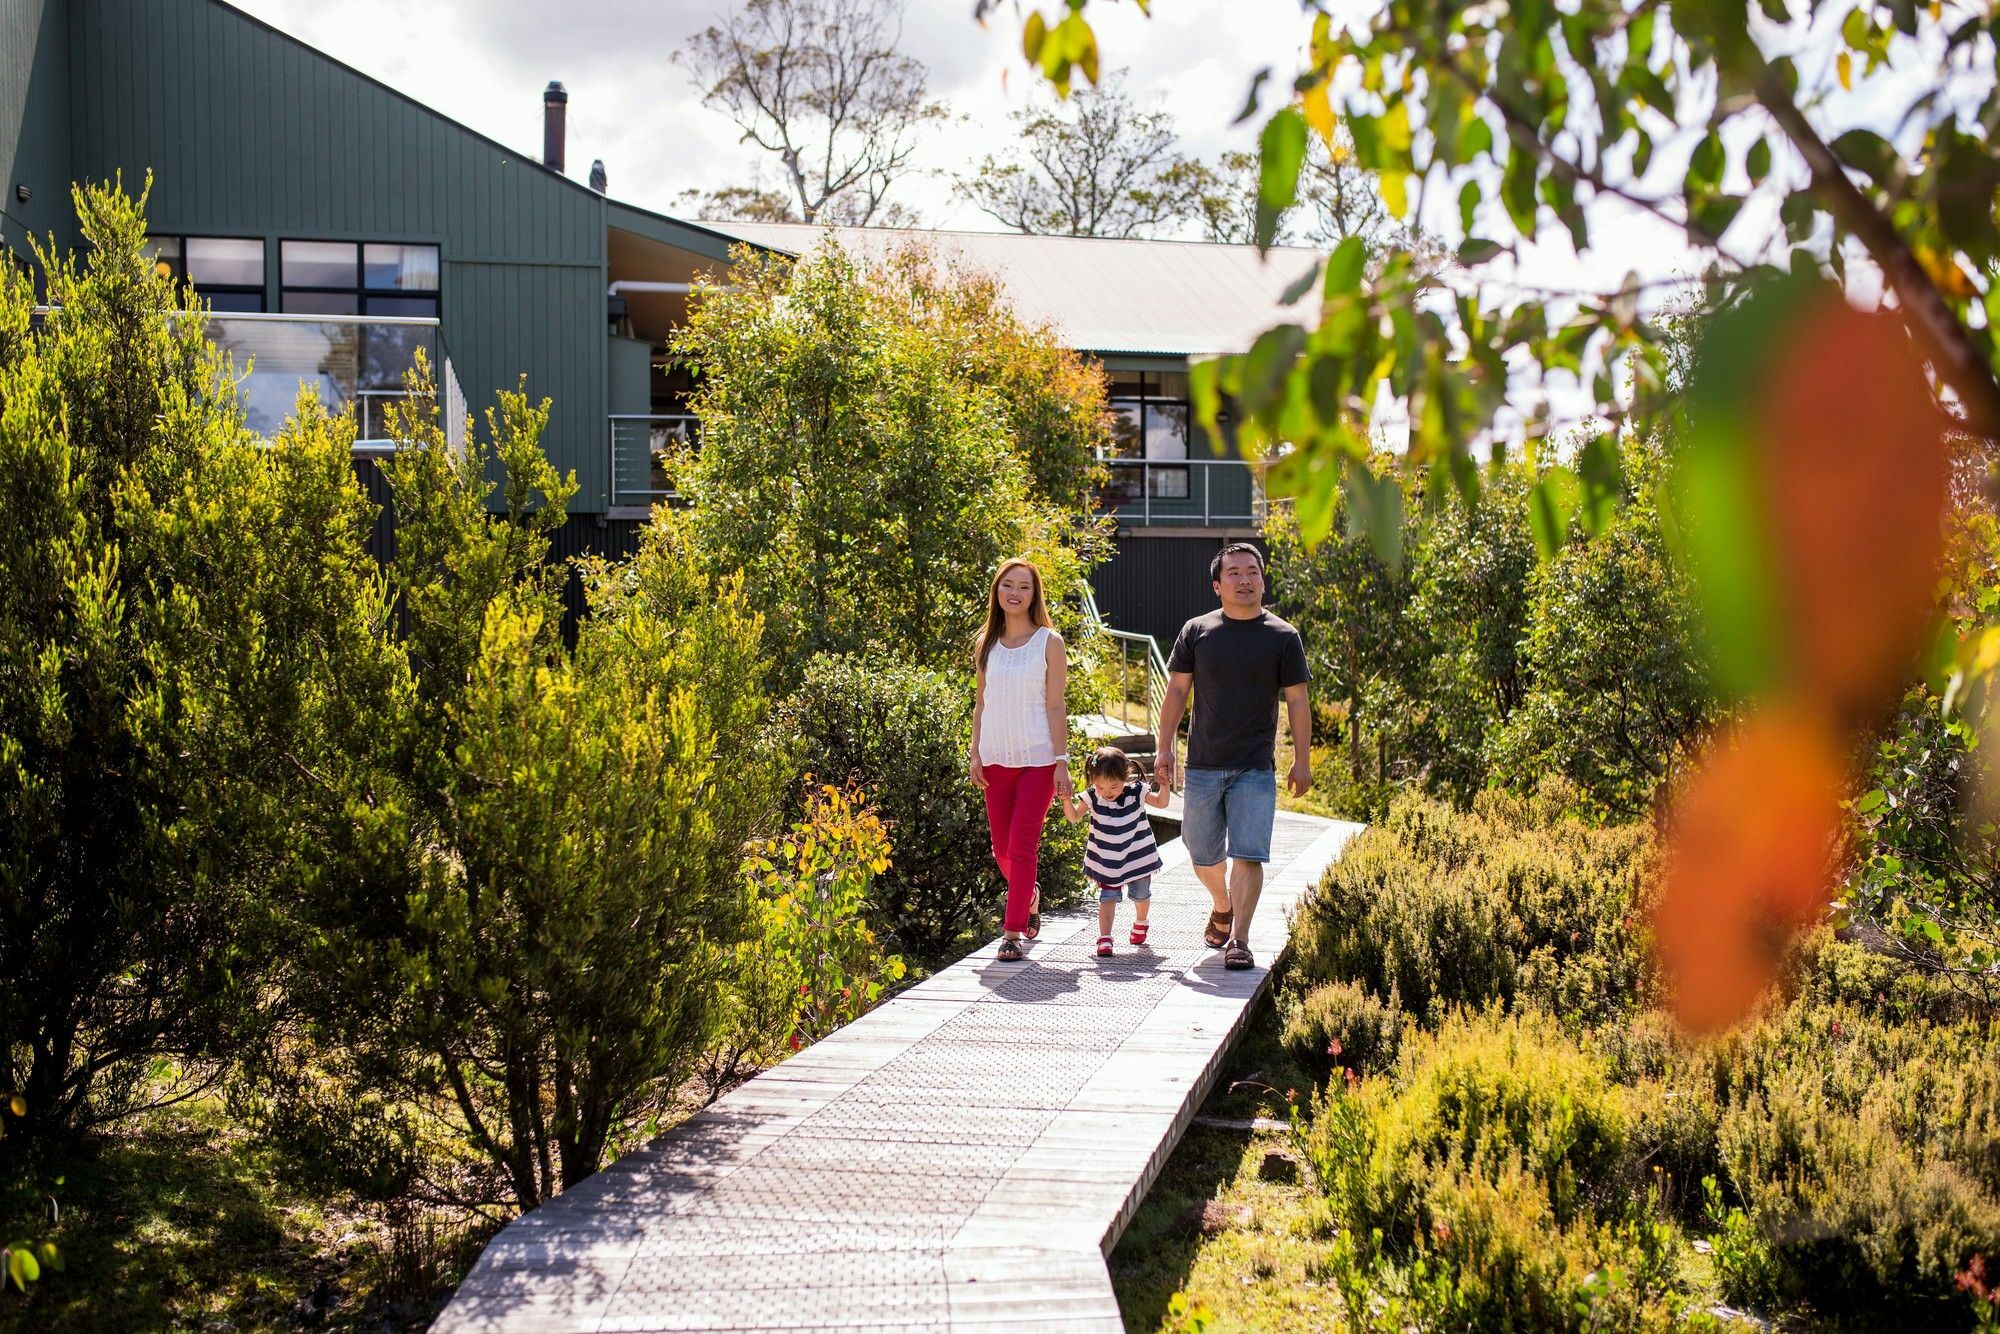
(1228, 813)
(1136, 890)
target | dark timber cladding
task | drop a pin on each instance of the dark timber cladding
(250, 133)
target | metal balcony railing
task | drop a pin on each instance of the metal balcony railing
(357, 361)
(642, 450)
(1215, 492)
(1141, 674)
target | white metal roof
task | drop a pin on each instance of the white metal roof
(1157, 298)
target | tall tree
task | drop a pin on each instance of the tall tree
(176, 643)
(1097, 164)
(1338, 198)
(820, 85)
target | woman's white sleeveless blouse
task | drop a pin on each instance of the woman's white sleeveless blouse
(1014, 729)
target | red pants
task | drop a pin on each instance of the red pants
(1017, 802)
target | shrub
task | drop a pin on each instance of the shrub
(1482, 1092)
(1440, 907)
(902, 732)
(1867, 1155)
(1482, 1185)
(1342, 1024)
(809, 964)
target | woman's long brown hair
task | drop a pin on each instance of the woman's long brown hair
(996, 619)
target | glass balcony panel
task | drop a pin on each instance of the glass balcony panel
(355, 363)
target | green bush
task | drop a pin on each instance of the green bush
(902, 733)
(1867, 1155)
(1484, 1185)
(1441, 907)
(1342, 1024)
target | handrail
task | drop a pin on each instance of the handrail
(638, 442)
(1130, 642)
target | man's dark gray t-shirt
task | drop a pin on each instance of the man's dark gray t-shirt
(1241, 669)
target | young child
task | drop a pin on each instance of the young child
(1121, 855)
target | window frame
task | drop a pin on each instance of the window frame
(177, 269)
(359, 290)
(1164, 480)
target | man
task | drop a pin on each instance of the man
(1237, 660)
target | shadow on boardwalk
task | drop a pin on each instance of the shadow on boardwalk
(965, 1155)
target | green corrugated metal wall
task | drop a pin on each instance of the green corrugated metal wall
(250, 133)
(34, 122)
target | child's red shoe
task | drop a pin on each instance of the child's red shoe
(1104, 947)
(1138, 936)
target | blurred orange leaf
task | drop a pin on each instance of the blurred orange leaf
(1750, 860)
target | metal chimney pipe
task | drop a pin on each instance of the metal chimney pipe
(597, 177)
(555, 111)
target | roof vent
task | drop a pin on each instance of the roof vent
(555, 110)
(597, 181)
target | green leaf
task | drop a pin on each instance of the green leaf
(1601, 472)
(1477, 250)
(1871, 802)
(1250, 102)
(1281, 152)
(1375, 510)
(1706, 164)
(1300, 285)
(1268, 362)
(1854, 29)
(1870, 152)
(1204, 393)
(1517, 190)
(1469, 196)
(1345, 266)
(1758, 163)
(1476, 139)
(1550, 505)
(1712, 216)
(1033, 33)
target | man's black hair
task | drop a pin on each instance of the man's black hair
(1233, 549)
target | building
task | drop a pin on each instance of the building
(336, 225)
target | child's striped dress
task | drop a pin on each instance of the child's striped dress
(1121, 847)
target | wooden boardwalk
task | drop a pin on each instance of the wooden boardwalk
(963, 1157)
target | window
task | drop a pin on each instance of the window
(1150, 421)
(355, 278)
(226, 271)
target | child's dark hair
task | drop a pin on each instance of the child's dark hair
(1109, 762)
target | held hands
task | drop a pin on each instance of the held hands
(1301, 778)
(1163, 770)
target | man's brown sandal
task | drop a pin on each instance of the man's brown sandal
(1217, 933)
(1236, 956)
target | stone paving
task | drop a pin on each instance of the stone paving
(962, 1157)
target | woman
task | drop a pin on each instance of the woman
(1020, 736)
